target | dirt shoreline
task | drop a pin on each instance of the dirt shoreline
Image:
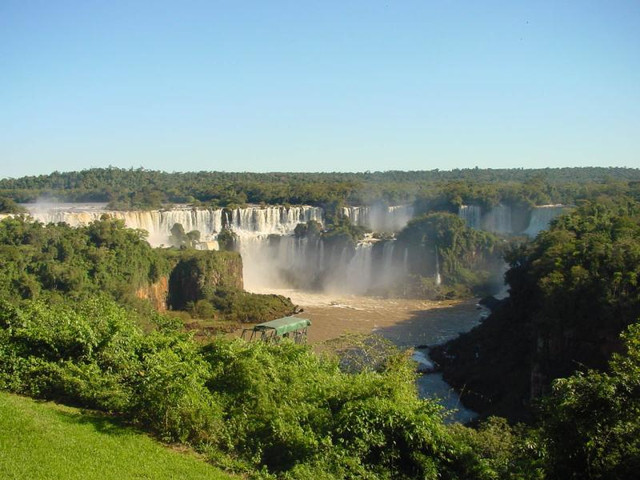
(406, 322)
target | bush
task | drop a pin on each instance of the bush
(278, 409)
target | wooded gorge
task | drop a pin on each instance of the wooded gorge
(93, 316)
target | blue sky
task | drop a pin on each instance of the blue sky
(318, 85)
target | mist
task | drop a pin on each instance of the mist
(273, 257)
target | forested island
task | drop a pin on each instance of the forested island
(92, 315)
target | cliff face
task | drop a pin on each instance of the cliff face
(491, 366)
(157, 293)
(201, 272)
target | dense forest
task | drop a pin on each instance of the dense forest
(140, 188)
(83, 322)
(57, 263)
(573, 290)
(280, 411)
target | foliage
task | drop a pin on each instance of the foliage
(144, 189)
(181, 239)
(209, 283)
(579, 280)
(297, 415)
(572, 291)
(591, 421)
(442, 244)
(499, 451)
(309, 229)
(57, 259)
(240, 306)
(228, 240)
(278, 407)
(7, 205)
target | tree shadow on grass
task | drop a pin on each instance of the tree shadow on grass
(101, 422)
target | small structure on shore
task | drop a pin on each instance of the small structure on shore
(294, 328)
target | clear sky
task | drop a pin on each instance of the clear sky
(318, 85)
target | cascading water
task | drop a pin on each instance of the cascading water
(472, 215)
(541, 218)
(380, 218)
(249, 221)
(272, 255)
(499, 218)
(359, 269)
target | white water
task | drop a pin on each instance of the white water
(380, 218)
(472, 215)
(272, 256)
(308, 263)
(245, 222)
(541, 218)
(499, 218)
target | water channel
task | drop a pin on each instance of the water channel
(407, 323)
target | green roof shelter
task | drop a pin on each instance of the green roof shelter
(294, 328)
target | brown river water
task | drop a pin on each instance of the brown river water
(407, 323)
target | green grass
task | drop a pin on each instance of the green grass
(41, 440)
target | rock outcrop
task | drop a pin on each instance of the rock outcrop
(157, 293)
(198, 273)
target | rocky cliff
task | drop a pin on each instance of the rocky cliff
(157, 293)
(198, 273)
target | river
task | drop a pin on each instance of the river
(405, 322)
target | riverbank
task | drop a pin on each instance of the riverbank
(405, 322)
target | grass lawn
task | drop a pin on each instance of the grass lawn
(41, 440)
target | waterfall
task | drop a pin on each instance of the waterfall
(438, 277)
(246, 222)
(472, 215)
(272, 255)
(359, 270)
(541, 218)
(380, 218)
(405, 260)
(387, 255)
(498, 220)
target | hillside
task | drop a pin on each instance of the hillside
(41, 440)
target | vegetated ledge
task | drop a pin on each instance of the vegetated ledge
(208, 285)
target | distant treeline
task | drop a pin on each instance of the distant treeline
(140, 188)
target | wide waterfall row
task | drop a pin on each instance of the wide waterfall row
(246, 222)
(380, 218)
(507, 220)
(272, 256)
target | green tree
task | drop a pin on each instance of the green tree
(591, 421)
